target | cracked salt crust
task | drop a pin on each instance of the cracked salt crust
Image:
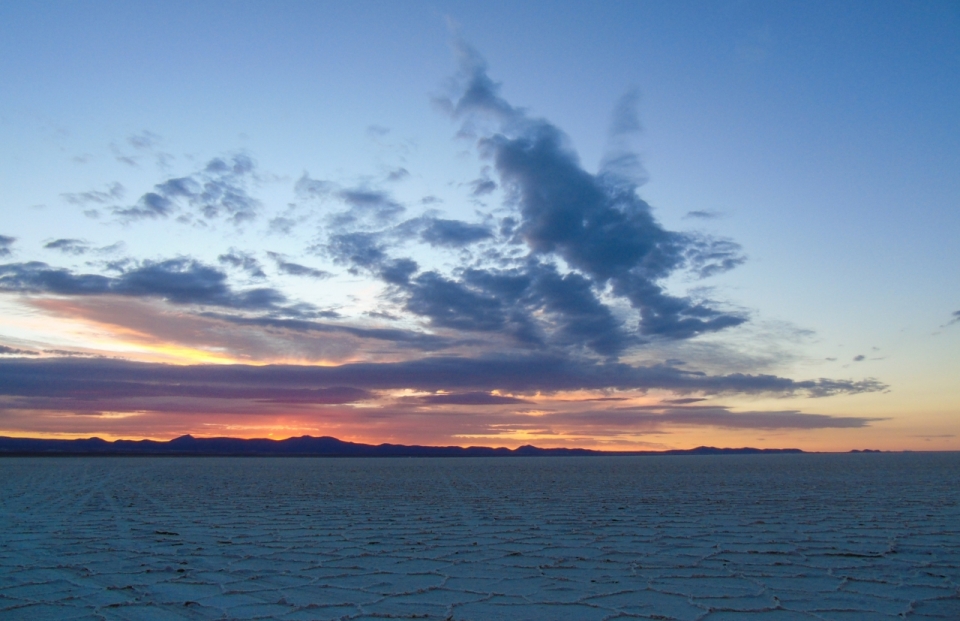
(778, 537)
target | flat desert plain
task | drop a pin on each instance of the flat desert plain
(834, 537)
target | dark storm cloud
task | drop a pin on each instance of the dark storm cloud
(6, 242)
(451, 304)
(180, 281)
(596, 223)
(68, 246)
(38, 277)
(544, 306)
(454, 233)
(295, 269)
(243, 261)
(219, 189)
(86, 386)
(93, 378)
(712, 416)
(113, 193)
(86, 379)
(533, 303)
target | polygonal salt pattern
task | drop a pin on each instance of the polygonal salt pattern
(772, 537)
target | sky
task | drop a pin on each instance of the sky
(625, 225)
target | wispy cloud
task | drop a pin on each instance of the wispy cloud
(217, 190)
(296, 269)
(114, 192)
(6, 245)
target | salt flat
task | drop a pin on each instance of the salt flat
(777, 537)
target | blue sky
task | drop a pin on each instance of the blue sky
(311, 185)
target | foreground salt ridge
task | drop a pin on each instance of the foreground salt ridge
(774, 537)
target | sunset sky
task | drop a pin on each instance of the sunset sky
(621, 225)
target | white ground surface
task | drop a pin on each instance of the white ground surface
(833, 537)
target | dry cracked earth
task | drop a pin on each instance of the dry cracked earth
(779, 537)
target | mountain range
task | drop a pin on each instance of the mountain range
(309, 446)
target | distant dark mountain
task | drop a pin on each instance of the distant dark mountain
(310, 446)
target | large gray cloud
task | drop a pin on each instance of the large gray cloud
(596, 223)
(592, 246)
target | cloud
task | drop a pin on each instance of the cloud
(13, 351)
(295, 269)
(620, 163)
(408, 339)
(596, 224)
(451, 304)
(244, 261)
(369, 203)
(68, 246)
(101, 378)
(397, 174)
(955, 317)
(26, 382)
(703, 214)
(859, 358)
(306, 187)
(482, 186)
(6, 243)
(707, 256)
(649, 419)
(357, 250)
(453, 233)
(144, 141)
(180, 281)
(113, 193)
(219, 189)
(471, 398)
(364, 204)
